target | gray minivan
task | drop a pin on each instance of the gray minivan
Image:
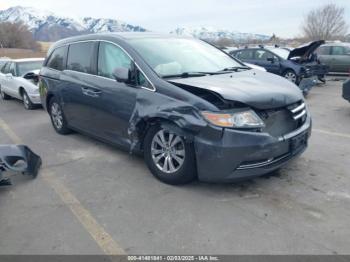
(191, 109)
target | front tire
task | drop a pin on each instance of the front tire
(26, 101)
(291, 76)
(170, 158)
(57, 117)
(3, 95)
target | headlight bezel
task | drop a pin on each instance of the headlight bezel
(244, 119)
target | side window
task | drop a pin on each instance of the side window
(2, 65)
(12, 69)
(338, 50)
(56, 60)
(141, 80)
(6, 68)
(245, 54)
(80, 57)
(111, 57)
(324, 50)
(264, 55)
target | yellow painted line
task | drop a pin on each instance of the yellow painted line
(15, 139)
(331, 133)
(97, 232)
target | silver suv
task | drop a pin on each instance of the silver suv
(336, 56)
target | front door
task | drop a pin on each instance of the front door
(267, 60)
(8, 80)
(117, 101)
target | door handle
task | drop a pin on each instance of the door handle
(91, 92)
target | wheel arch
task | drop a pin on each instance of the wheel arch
(21, 90)
(47, 101)
(289, 69)
(144, 125)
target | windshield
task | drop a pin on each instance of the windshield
(281, 52)
(25, 67)
(175, 56)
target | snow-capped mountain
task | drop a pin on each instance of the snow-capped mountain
(214, 34)
(47, 26)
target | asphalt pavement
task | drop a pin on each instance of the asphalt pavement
(92, 198)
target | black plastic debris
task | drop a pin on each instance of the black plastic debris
(18, 159)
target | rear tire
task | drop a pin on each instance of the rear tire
(169, 157)
(3, 95)
(26, 101)
(58, 119)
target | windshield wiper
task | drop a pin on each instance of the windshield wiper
(186, 74)
(234, 69)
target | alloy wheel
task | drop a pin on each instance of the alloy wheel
(26, 101)
(291, 77)
(57, 116)
(168, 151)
(2, 93)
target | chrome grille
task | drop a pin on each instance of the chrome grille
(279, 122)
(298, 110)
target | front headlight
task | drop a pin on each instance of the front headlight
(242, 119)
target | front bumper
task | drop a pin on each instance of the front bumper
(306, 84)
(35, 98)
(226, 155)
(19, 159)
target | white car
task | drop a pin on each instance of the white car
(19, 79)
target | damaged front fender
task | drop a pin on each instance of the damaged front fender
(186, 118)
(19, 159)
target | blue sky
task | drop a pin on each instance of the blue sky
(283, 18)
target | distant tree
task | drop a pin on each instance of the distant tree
(224, 42)
(16, 35)
(326, 22)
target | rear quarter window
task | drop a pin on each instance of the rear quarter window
(57, 59)
(338, 50)
(80, 57)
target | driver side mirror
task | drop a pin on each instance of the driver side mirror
(271, 59)
(122, 75)
(9, 75)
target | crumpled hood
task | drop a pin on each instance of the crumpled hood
(252, 87)
(305, 50)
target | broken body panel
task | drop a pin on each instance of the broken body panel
(19, 159)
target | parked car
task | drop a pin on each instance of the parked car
(346, 90)
(3, 60)
(336, 56)
(193, 110)
(19, 79)
(297, 65)
(230, 49)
